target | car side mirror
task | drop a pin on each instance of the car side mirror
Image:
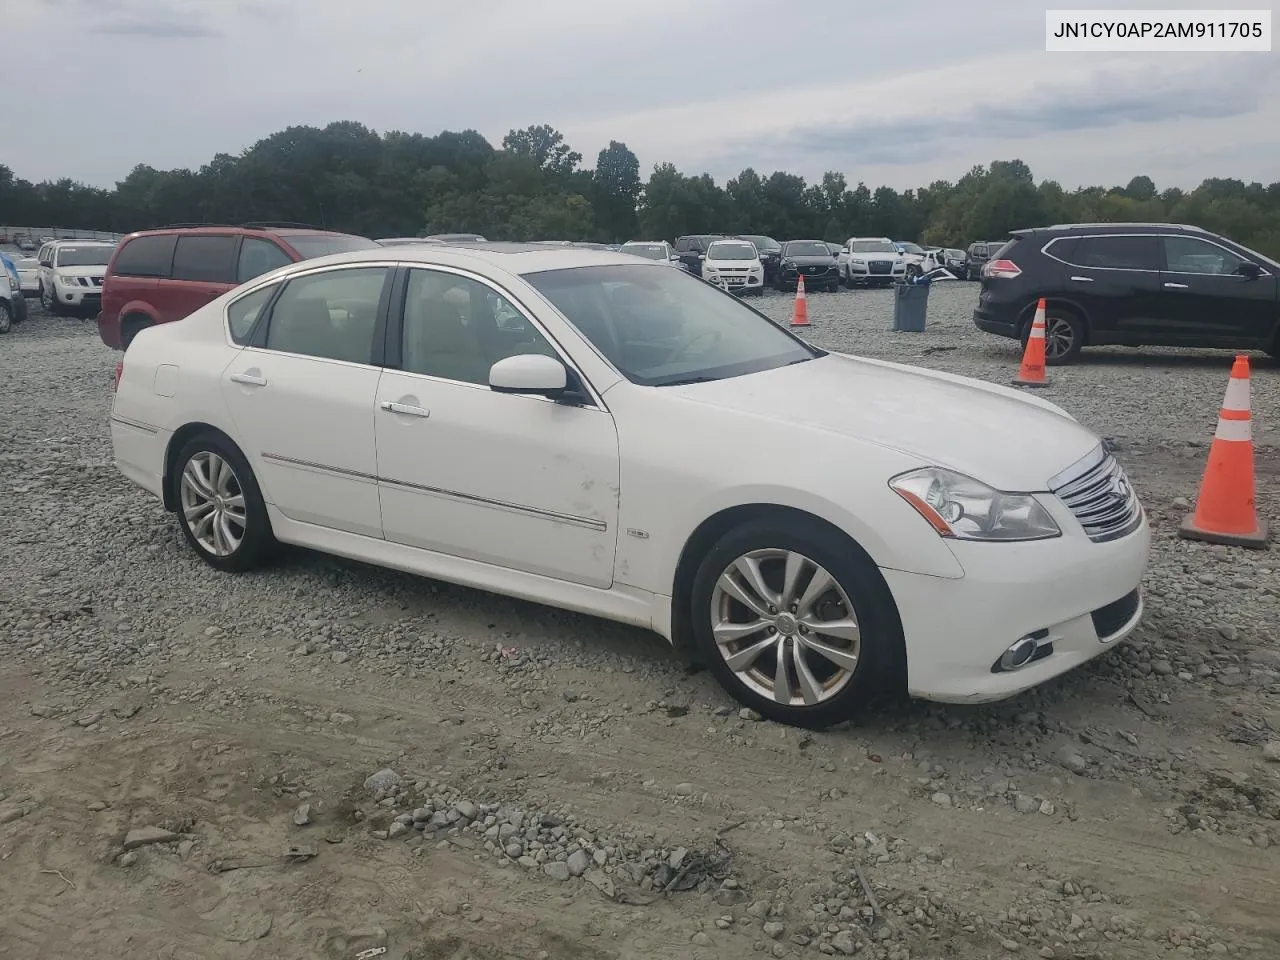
(46, 263)
(1249, 269)
(702, 256)
(532, 374)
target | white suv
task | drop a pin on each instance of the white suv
(870, 262)
(71, 273)
(734, 265)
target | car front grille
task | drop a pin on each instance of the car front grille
(880, 266)
(1099, 495)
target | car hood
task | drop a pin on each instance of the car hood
(90, 271)
(720, 264)
(995, 434)
(812, 261)
(880, 255)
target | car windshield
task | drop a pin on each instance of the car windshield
(873, 246)
(954, 254)
(805, 248)
(663, 327)
(88, 256)
(653, 251)
(322, 244)
(731, 251)
(911, 248)
(764, 244)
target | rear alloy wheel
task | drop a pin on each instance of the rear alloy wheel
(220, 507)
(793, 624)
(1063, 338)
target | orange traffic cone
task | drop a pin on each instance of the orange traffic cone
(1226, 511)
(800, 313)
(1031, 373)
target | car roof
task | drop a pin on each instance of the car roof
(231, 228)
(511, 257)
(81, 243)
(1109, 228)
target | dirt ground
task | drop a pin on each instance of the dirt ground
(148, 801)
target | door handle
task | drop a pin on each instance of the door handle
(406, 409)
(1176, 286)
(248, 379)
(1081, 279)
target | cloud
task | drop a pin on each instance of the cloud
(175, 29)
(884, 93)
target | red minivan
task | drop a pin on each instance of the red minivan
(157, 276)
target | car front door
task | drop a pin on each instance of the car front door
(1213, 297)
(301, 394)
(1116, 279)
(516, 481)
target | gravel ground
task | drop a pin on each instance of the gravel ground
(325, 757)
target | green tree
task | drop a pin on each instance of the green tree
(546, 146)
(616, 191)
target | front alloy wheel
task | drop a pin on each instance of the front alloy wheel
(785, 627)
(796, 622)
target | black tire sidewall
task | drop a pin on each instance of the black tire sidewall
(6, 317)
(881, 633)
(258, 539)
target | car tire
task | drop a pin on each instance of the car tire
(6, 317)
(856, 667)
(210, 476)
(130, 327)
(1061, 325)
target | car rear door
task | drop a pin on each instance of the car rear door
(203, 270)
(1115, 278)
(1210, 302)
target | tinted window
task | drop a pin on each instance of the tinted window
(96, 255)
(457, 328)
(1117, 253)
(311, 245)
(661, 327)
(146, 256)
(1192, 255)
(204, 258)
(331, 314)
(805, 248)
(873, 246)
(243, 314)
(258, 257)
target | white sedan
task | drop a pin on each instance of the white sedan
(816, 528)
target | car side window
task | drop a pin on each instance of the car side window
(242, 314)
(204, 258)
(1193, 255)
(1118, 252)
(456, 328)
(330, 315)
(150, 256)
(258, 257)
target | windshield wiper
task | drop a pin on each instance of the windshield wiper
(686, 380)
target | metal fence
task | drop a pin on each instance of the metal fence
(7, 234)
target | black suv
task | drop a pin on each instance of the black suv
(692, 250)
(976, 257)
(770, 251)
(1134, 284)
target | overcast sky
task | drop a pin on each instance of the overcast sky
(888, 93)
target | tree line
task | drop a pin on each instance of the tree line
(534, 186)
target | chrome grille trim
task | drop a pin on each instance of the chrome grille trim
(1088, 488)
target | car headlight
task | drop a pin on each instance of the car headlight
(962, 508)
(67, 281)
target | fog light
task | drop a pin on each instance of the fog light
(1034, 646)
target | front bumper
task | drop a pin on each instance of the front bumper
(78, 297)
(790, 275)
(864, 273)
(1084, 596)
(738, 283)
